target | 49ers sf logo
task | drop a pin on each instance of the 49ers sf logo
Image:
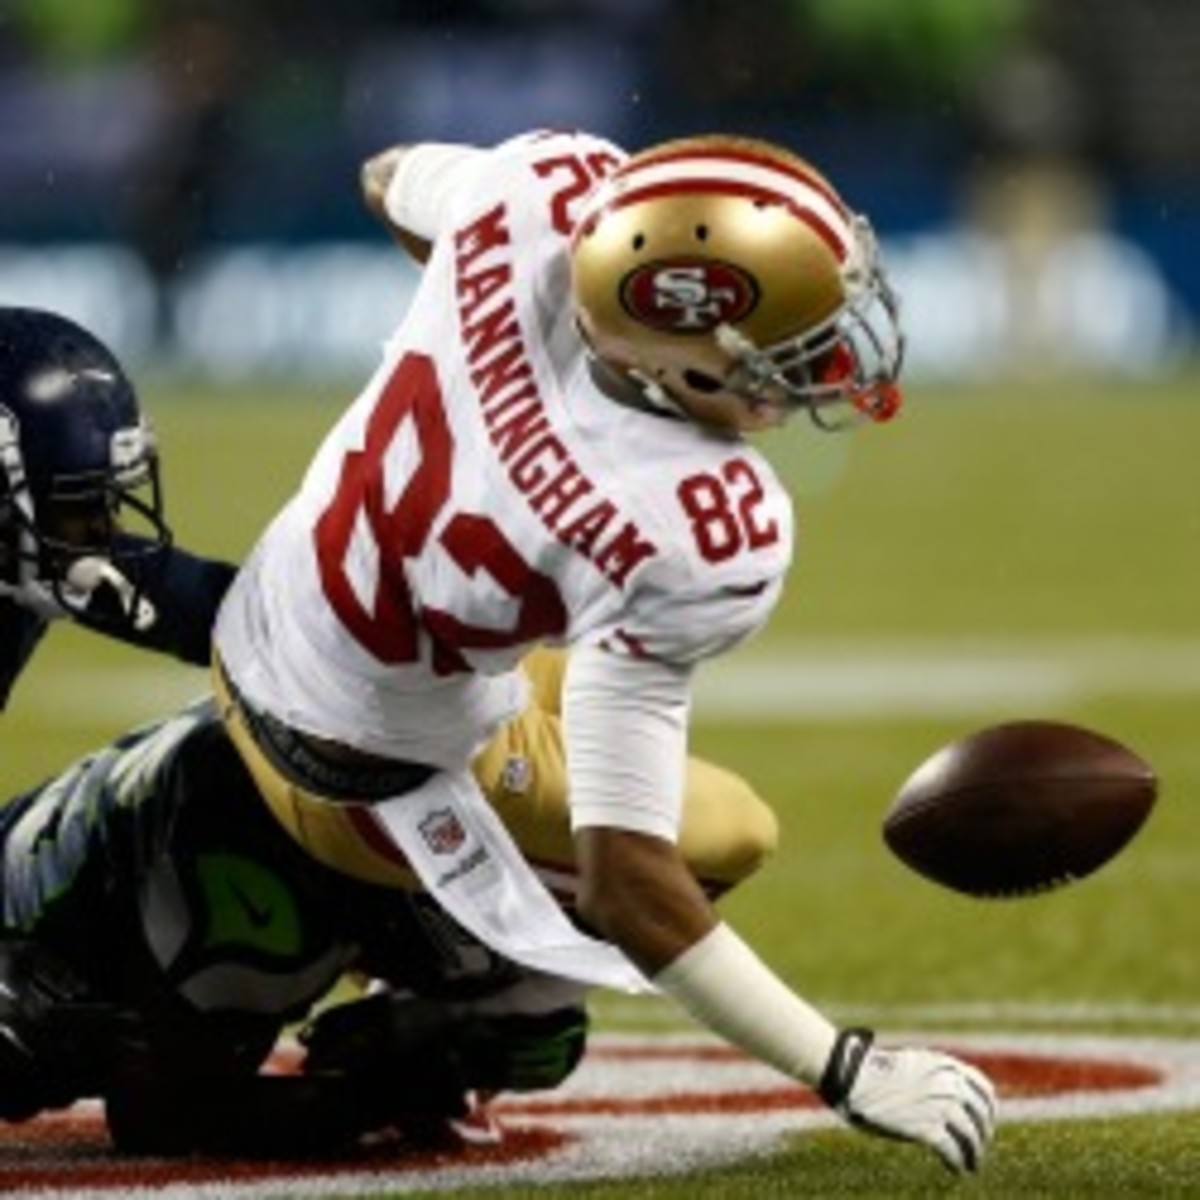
(683, 295)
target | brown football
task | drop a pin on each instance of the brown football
(1019, 808)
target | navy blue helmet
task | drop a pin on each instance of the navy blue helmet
(80, 501)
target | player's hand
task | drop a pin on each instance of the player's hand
(915, 1095)
(92, 592)
(416, 1038)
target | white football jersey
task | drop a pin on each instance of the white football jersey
(482, 495)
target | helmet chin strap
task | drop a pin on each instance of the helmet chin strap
(632, 389)
(657, 397)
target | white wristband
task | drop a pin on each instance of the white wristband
(723, 984)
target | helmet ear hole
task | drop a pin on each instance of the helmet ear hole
(700, 381)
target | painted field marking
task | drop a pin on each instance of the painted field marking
(834, 679)
(800, 679)
(999, 1014)
(709, 1105)
(654, 1012)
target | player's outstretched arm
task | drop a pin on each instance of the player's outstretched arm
(638, 893)
(375, 178)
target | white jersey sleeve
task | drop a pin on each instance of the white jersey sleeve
(627, 692)
(428, 179)
(642, 707)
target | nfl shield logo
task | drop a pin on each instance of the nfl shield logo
(442, 831)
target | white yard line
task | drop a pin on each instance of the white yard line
(651, 1012)
(796, 679)
(641, 1108)
(840, 678)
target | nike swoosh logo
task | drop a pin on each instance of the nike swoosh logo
(257, 914)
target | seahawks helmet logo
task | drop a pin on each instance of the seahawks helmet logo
(688, 295)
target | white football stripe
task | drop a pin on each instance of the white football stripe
(800, 194)
(617, 1139)
(835, 679)
(796, 680)
(649, 1012)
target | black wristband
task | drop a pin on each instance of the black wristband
(841, 1070)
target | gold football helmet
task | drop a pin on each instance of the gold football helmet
(717, 268)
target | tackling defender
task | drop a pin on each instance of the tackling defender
(554, 452)
(82, 530)
(158, 927)
(160, 931)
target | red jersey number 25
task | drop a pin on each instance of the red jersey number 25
(389, 626)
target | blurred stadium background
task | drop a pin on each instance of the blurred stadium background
(182, 177)
(182, 173)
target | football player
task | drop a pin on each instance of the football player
(82, 530)
(160, 930)
(157, 927)
(555, 450)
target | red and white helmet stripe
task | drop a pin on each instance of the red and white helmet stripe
(729, 172)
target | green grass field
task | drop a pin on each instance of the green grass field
(1020, 550)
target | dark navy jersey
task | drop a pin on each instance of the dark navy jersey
(153, 868)
(186, 592)
(150, 865)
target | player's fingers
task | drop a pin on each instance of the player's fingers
(979, 1104)
(974, 1091)
(982, 1121)
(960, 1149)
(981, 1107)
(961, 1142)
(981, 1085)
(969, 1123)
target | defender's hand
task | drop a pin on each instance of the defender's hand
(915, 1095)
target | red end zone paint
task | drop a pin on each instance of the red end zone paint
(70, 1153)
(711, 1105)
